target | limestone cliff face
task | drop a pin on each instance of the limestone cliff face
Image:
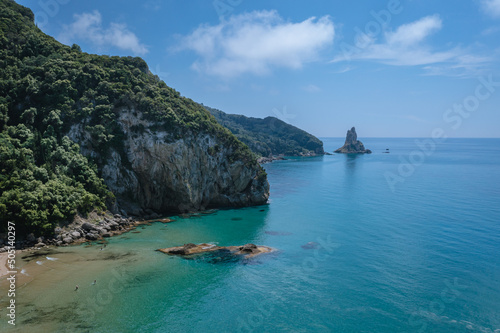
(352, 145)
(156, 171)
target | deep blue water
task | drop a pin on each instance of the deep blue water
(402, 248)
(355, 253)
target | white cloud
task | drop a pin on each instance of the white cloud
(256, 42)
(490, 31)
(343, 69)
(463, 66)
(406, 47)
(491, 7)
(312, 88)
(415, 32)
(154, 5)
(88, 26)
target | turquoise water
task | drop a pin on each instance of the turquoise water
(354, 254)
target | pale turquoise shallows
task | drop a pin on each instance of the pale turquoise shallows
(354, 254)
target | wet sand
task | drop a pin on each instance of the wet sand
(3, 264)
(46, 300)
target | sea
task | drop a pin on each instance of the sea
(406, 239)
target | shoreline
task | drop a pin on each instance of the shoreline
(83, 230)
(264, 160)
(106, 227)
(99, 230)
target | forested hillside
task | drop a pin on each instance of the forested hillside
(45, 89)
(269, 136)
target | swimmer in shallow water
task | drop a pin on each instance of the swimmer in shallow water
(76, 288)
(95, 281)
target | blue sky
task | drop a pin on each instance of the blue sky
(391, 68)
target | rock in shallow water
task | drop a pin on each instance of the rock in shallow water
(67, 240)
(91, 236)
(248, 248)
(246, 251)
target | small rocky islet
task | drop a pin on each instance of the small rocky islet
(245, 251)
(352, 145)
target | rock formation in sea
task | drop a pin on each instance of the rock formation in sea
(247, 250)
(352, 145)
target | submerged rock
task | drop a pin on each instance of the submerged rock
(278, 233)
(247, 250)
(352, 145)
(310, 246)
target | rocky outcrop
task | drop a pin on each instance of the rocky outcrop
(82, 230)
(264, 160)
(352, 144)
(158, 171)
(246, 251)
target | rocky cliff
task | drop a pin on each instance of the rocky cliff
(161, 173)
(352, 145)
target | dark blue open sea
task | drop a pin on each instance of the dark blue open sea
(405, 241)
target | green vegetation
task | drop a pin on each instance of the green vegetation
(269, 136)
(45, 88)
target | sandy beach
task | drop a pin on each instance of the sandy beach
(3, 264)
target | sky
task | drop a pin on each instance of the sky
(392, 68)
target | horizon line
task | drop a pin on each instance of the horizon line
(407, 137)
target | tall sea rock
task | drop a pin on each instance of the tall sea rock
(352, 145)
